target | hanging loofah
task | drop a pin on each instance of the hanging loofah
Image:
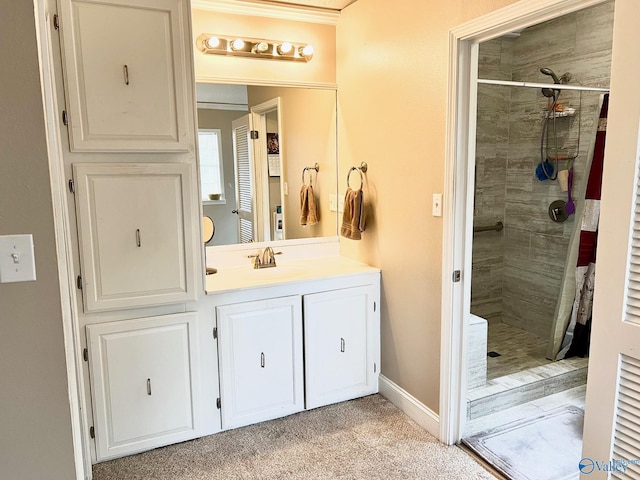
(540, 171)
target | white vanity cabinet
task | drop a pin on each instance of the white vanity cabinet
(341, 338)
(260, 348)
(136, 234)
(127, 74)
(309, 339)
(144, 379)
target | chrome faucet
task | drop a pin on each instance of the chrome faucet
(265, 259)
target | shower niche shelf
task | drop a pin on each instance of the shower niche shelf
(569, 112)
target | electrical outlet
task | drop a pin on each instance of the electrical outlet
(437, 205)
(17, 262)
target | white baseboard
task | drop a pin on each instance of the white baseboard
(417, 411)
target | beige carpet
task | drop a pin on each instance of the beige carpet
(368, 438)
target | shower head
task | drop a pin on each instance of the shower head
(551, 73)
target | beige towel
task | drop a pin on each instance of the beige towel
(353, 215)
(308, 209)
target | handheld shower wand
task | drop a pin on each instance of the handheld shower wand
(548, 92)
(551, 73)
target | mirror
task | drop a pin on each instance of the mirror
(251, 187)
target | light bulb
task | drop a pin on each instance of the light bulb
(213, 42)
(262, 47)
(306, 51)
(284, 48)
(237, 44)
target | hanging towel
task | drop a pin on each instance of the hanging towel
(308, 209)
(353, 216)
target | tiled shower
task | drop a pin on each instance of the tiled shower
(517, 272)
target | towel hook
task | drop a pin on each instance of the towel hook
(362, 169)
(316, 167)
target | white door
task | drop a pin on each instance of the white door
(136, 234)
(126, 75)
(260, 347)
(611, 433)
(245, 179)
(143, 375)
(340, 332)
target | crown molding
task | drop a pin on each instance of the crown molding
(269, 10)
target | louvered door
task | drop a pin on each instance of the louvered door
(245, 197)
(626, 443)
(612, 414)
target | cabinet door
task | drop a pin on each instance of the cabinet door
(260, 345)
(341, 341)
(127, 75)
(136, 234)
(143, 379)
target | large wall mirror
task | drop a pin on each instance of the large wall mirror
(258, 148)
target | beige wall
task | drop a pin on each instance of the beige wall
(35, 422)
(308, 118)
(321, 69)
(392, 66)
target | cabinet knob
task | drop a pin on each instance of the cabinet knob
(262, 360)
(138, 238)
(342, 345)
(149, 386)
(126, 74)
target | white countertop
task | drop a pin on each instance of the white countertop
(237, 278)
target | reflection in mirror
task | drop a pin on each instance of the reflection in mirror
(251, 186)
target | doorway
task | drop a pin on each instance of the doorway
(474, 42)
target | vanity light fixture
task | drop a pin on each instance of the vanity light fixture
(254, 48)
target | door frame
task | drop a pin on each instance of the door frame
(459, 187)
(64, 251)
(260, 162)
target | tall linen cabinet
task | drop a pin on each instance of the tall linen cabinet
(126, 95)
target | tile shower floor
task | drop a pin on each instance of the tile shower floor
(521, 373)
(519, 350)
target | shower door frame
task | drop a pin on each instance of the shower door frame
(459, 186)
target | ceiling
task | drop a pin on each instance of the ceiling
(326, 4)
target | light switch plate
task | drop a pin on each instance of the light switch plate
(333, 202)
(437, 205)
(17, 262)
